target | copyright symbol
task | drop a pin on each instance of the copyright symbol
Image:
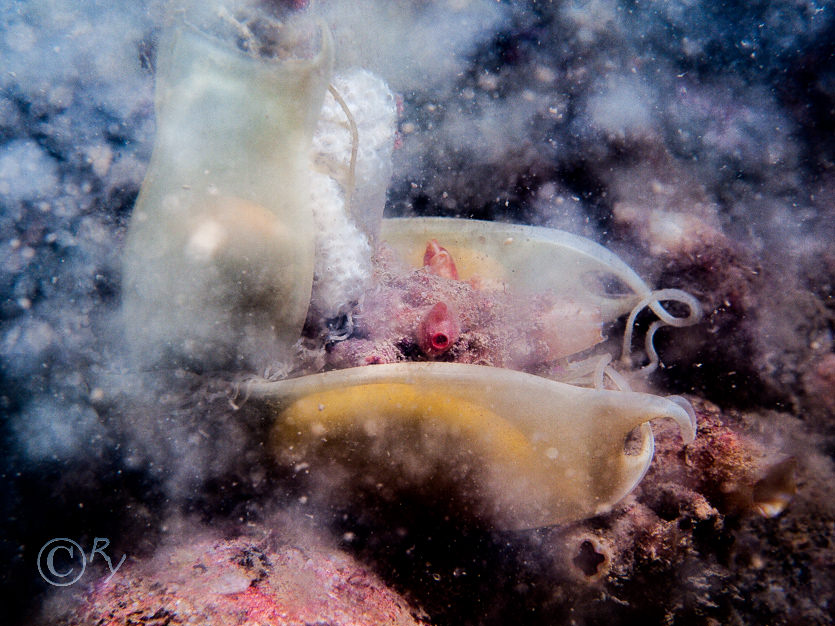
(62, 549)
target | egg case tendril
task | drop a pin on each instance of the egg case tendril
(593, 372)
(653, 301)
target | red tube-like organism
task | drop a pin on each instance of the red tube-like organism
(439, 261)
(438, 330)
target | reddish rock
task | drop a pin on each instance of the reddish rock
(216, 582)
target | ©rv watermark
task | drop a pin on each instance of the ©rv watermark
(72, 555)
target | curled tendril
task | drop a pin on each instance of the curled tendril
(665, 318)
(594, 371)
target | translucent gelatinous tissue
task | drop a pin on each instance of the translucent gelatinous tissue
(532, 452)
(532, 260)
(527, 258)
(219, 258)
(525, 451)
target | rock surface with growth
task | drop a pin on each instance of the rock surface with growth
(243, 582)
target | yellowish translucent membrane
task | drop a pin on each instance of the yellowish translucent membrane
(540, 452)
(218, 263)
(533, 260)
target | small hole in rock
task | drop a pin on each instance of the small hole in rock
(588, 559)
